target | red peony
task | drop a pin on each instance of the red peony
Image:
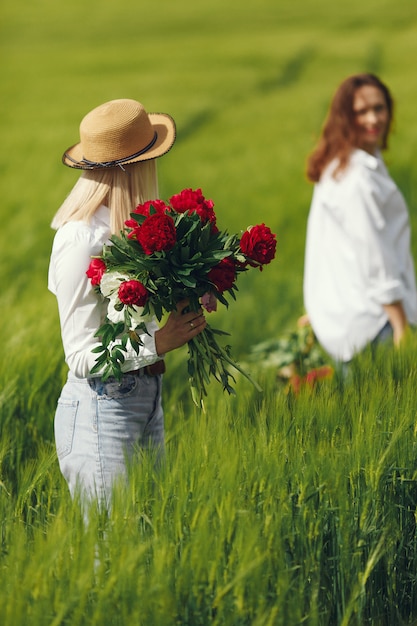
(158, 205)
(134, 228)
(95, 271)
(193, 201)
(145, 209)
(132, 292)
(258, 244)
(157, 233)
(223, 275)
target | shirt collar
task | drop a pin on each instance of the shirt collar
(102, 216)
(370, 160)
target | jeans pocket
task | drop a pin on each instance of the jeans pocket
(113, 389)
(64, 426)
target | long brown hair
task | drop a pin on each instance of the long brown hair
(338, 135)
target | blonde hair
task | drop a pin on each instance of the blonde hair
(120, 190)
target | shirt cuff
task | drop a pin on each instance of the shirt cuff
(388, 293)
(147, 351)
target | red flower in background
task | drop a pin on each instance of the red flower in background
(95, 271)
(311, 378)
(194, 202)
(258, 243)
(132, 292)
(223, 275)
(319, 373)
(156, 233)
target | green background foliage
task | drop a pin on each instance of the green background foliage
(270, 510)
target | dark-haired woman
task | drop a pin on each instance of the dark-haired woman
(359, 280)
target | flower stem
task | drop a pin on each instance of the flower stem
(207, 357)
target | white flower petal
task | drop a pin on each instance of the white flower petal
(113, 314)
(110, 282)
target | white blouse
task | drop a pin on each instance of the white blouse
(357, 256)
(81, 309)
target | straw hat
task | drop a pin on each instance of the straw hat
(120, 132)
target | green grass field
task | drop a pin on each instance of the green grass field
(270, 510)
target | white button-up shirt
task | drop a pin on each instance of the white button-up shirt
(357, 255)
(81, 309)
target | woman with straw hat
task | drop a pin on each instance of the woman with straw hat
(359, 282)
(99, 424)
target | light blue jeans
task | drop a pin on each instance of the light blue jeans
(99, 426)
(384, 336)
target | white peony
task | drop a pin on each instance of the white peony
(110, 283)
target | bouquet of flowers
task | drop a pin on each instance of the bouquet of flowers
(169, 252)
(298, 357)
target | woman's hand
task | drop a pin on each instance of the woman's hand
(304, 320)
(398, 321)
(179, 328)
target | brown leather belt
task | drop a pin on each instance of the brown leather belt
(155, 369)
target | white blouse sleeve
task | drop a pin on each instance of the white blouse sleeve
(374, 233)
(81, 309)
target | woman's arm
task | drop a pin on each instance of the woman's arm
(81, 309)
